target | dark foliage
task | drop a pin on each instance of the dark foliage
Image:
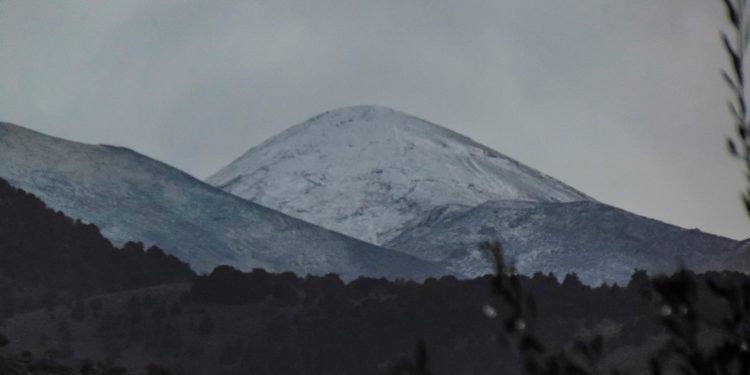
(550, 326)
(222, 286)
(736, 48)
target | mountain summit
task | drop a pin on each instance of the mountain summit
(368, 171)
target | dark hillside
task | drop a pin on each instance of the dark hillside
(231, 322)
(47, 258)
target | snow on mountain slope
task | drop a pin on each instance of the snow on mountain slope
(600, 243)
(132, 197)
(368, 171)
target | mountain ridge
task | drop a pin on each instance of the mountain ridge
(598, 242)
(133, 197)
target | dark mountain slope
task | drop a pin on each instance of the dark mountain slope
(47, 257)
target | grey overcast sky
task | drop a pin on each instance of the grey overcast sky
(620, 99)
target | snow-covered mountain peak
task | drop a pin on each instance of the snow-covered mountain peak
(357, 112)
(366, 171)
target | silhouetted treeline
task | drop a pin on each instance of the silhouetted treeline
(48, 258)
(232, 322)
(375, 321)
(26, 364)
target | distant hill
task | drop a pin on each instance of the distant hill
(130, 196)
(599, 243)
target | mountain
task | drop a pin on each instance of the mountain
(395, 180)
(132, 197)
(598, 242)
(368, 171)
